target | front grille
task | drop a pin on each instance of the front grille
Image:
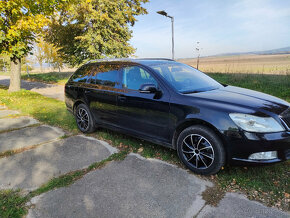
(285, 117)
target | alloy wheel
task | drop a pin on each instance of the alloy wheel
(83, 119)
(197, 151)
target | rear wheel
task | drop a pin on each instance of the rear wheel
(84, 119)
(201, 150)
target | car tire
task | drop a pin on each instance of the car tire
(201, 150)
(84, 119)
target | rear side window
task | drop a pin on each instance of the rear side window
(82, 74)
(106, 75)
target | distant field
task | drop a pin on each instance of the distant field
(257, 64)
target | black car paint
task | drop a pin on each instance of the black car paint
(159, 117)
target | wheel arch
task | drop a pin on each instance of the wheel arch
(191, 122)
(77, 103)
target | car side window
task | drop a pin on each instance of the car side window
(105, 74)
(134, 77)
(82, 74)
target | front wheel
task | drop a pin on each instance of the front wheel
(201, 150)
(84, 119)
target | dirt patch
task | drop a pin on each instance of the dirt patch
(213, 195)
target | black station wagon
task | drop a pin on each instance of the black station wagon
(175, 105)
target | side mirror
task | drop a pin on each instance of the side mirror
(148, 88)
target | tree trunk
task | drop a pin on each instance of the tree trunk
(15, 75)
(41, 69)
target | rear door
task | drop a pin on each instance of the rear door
(145, 114)
(101, 93)
(74, 89)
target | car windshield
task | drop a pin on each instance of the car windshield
(185, 79)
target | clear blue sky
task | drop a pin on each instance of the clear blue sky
(221, 26)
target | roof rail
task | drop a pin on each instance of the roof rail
(165, 59)
(127, 59)
(109, 59)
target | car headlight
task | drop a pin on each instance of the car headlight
(253, 123)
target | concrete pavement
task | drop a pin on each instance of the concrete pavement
(29, 136)
(139, 187)
(31, 169)
(236, 205)
(15, 123)
(6, 113)
(133, 187)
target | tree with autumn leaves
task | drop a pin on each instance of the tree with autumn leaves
(80, 29)
(20, 22)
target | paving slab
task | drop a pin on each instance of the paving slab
(6, 113)
(236, 205)
(30, 169)
(134, 187)
(14, 123)
(28, 136)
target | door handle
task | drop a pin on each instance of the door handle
(122, 98)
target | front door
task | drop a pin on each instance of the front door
(142, 113)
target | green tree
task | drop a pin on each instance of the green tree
(48, 53)
(93, 29)
(55, 60)
(41, 52)
(20, 22)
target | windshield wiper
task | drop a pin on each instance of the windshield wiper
(196, 91)
(191, 92)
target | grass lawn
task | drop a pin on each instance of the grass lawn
(276, 85)
(269, 184)
(12, 204)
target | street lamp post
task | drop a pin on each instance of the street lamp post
(172, 28)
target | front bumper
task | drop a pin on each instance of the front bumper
(242, 144)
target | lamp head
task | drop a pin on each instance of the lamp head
(162, 13)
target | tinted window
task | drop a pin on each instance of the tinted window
(184, 78)
(134, 77)
(82, 74)
(106, 75)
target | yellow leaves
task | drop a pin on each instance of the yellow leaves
(22, 20)
(104, 16)
(31, 23)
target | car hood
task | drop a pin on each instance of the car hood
(245, 98)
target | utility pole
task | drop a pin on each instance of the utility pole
(198, 54)
(172, 28)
